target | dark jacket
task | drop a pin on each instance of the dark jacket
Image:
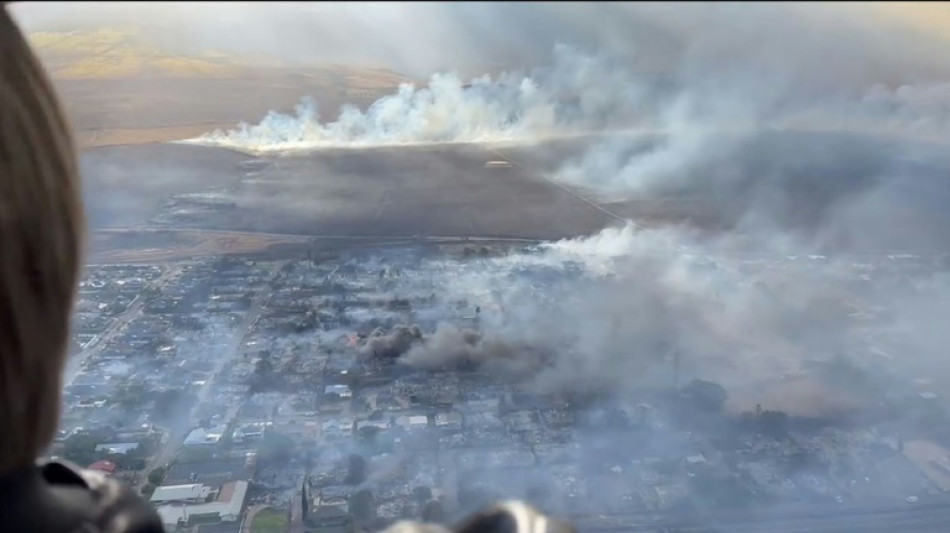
(57, 497)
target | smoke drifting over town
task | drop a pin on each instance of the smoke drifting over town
(643, 298)
(797, 165)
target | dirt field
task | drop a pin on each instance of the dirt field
(427, 191)
(120, 246)
(119, 89)
(140, 110)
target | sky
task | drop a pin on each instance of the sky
(419, 38)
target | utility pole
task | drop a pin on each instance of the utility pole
(676, 368)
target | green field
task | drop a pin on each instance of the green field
(269, 521)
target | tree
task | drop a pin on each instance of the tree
(433, 512)
(150, 293)
(130, 394)
(538, 495)
(773, 423)
(275, 447)
(132, 463)
(264, 365)
(147, 490)
(264, 377)
(705, 395)
(356, 470)
(80, 448)
(363, 505)
(422, 494)
(367, 434)
(474, 497)
(156, 476)
(168, 403)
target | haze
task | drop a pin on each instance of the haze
(645, 265)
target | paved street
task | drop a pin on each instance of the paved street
(176, 434)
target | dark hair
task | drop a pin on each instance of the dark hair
(41, 229)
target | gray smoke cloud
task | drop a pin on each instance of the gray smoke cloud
(686, 73)
(623, 304)
(392, 344)
(578, 93)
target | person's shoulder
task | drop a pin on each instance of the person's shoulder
(108, 505)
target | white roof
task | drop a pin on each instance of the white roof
(228, 506)
(203, 436)
(179, 492)
(381, 424)
(342, 390)
(418, 420)
(117, 447)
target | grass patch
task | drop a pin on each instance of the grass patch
(269, 521)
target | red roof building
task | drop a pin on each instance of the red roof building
(103, 466)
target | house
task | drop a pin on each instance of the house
(248, 431)
(449, 420)
(103, 466)
(413, 422)
(666, 496)
(334, 428)
(378, 424)
(328, 519)
(204, 437)
(343, 391)
(118, 448)
(695, 459)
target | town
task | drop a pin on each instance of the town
(274, 394)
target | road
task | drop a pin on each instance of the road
(315, 236)
(176, 434)
(598, 206)
(913, 519)
(74, 365)
(381, 240)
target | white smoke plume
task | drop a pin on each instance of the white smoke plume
(737, 315)
(724, 128)
(578, 93)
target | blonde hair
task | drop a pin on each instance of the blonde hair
(41, 228)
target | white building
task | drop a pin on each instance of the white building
(342, 427)
(204, 437)
(118, 448)
(343, 391)
(412, 422)
(191, 493)
(227, 505)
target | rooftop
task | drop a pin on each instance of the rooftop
(103, 466)
(168, 493)
(117, 447)
(341, 390)
(199, 436)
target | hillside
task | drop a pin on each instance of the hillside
(120, 89)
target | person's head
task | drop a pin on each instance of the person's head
(41, 225)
